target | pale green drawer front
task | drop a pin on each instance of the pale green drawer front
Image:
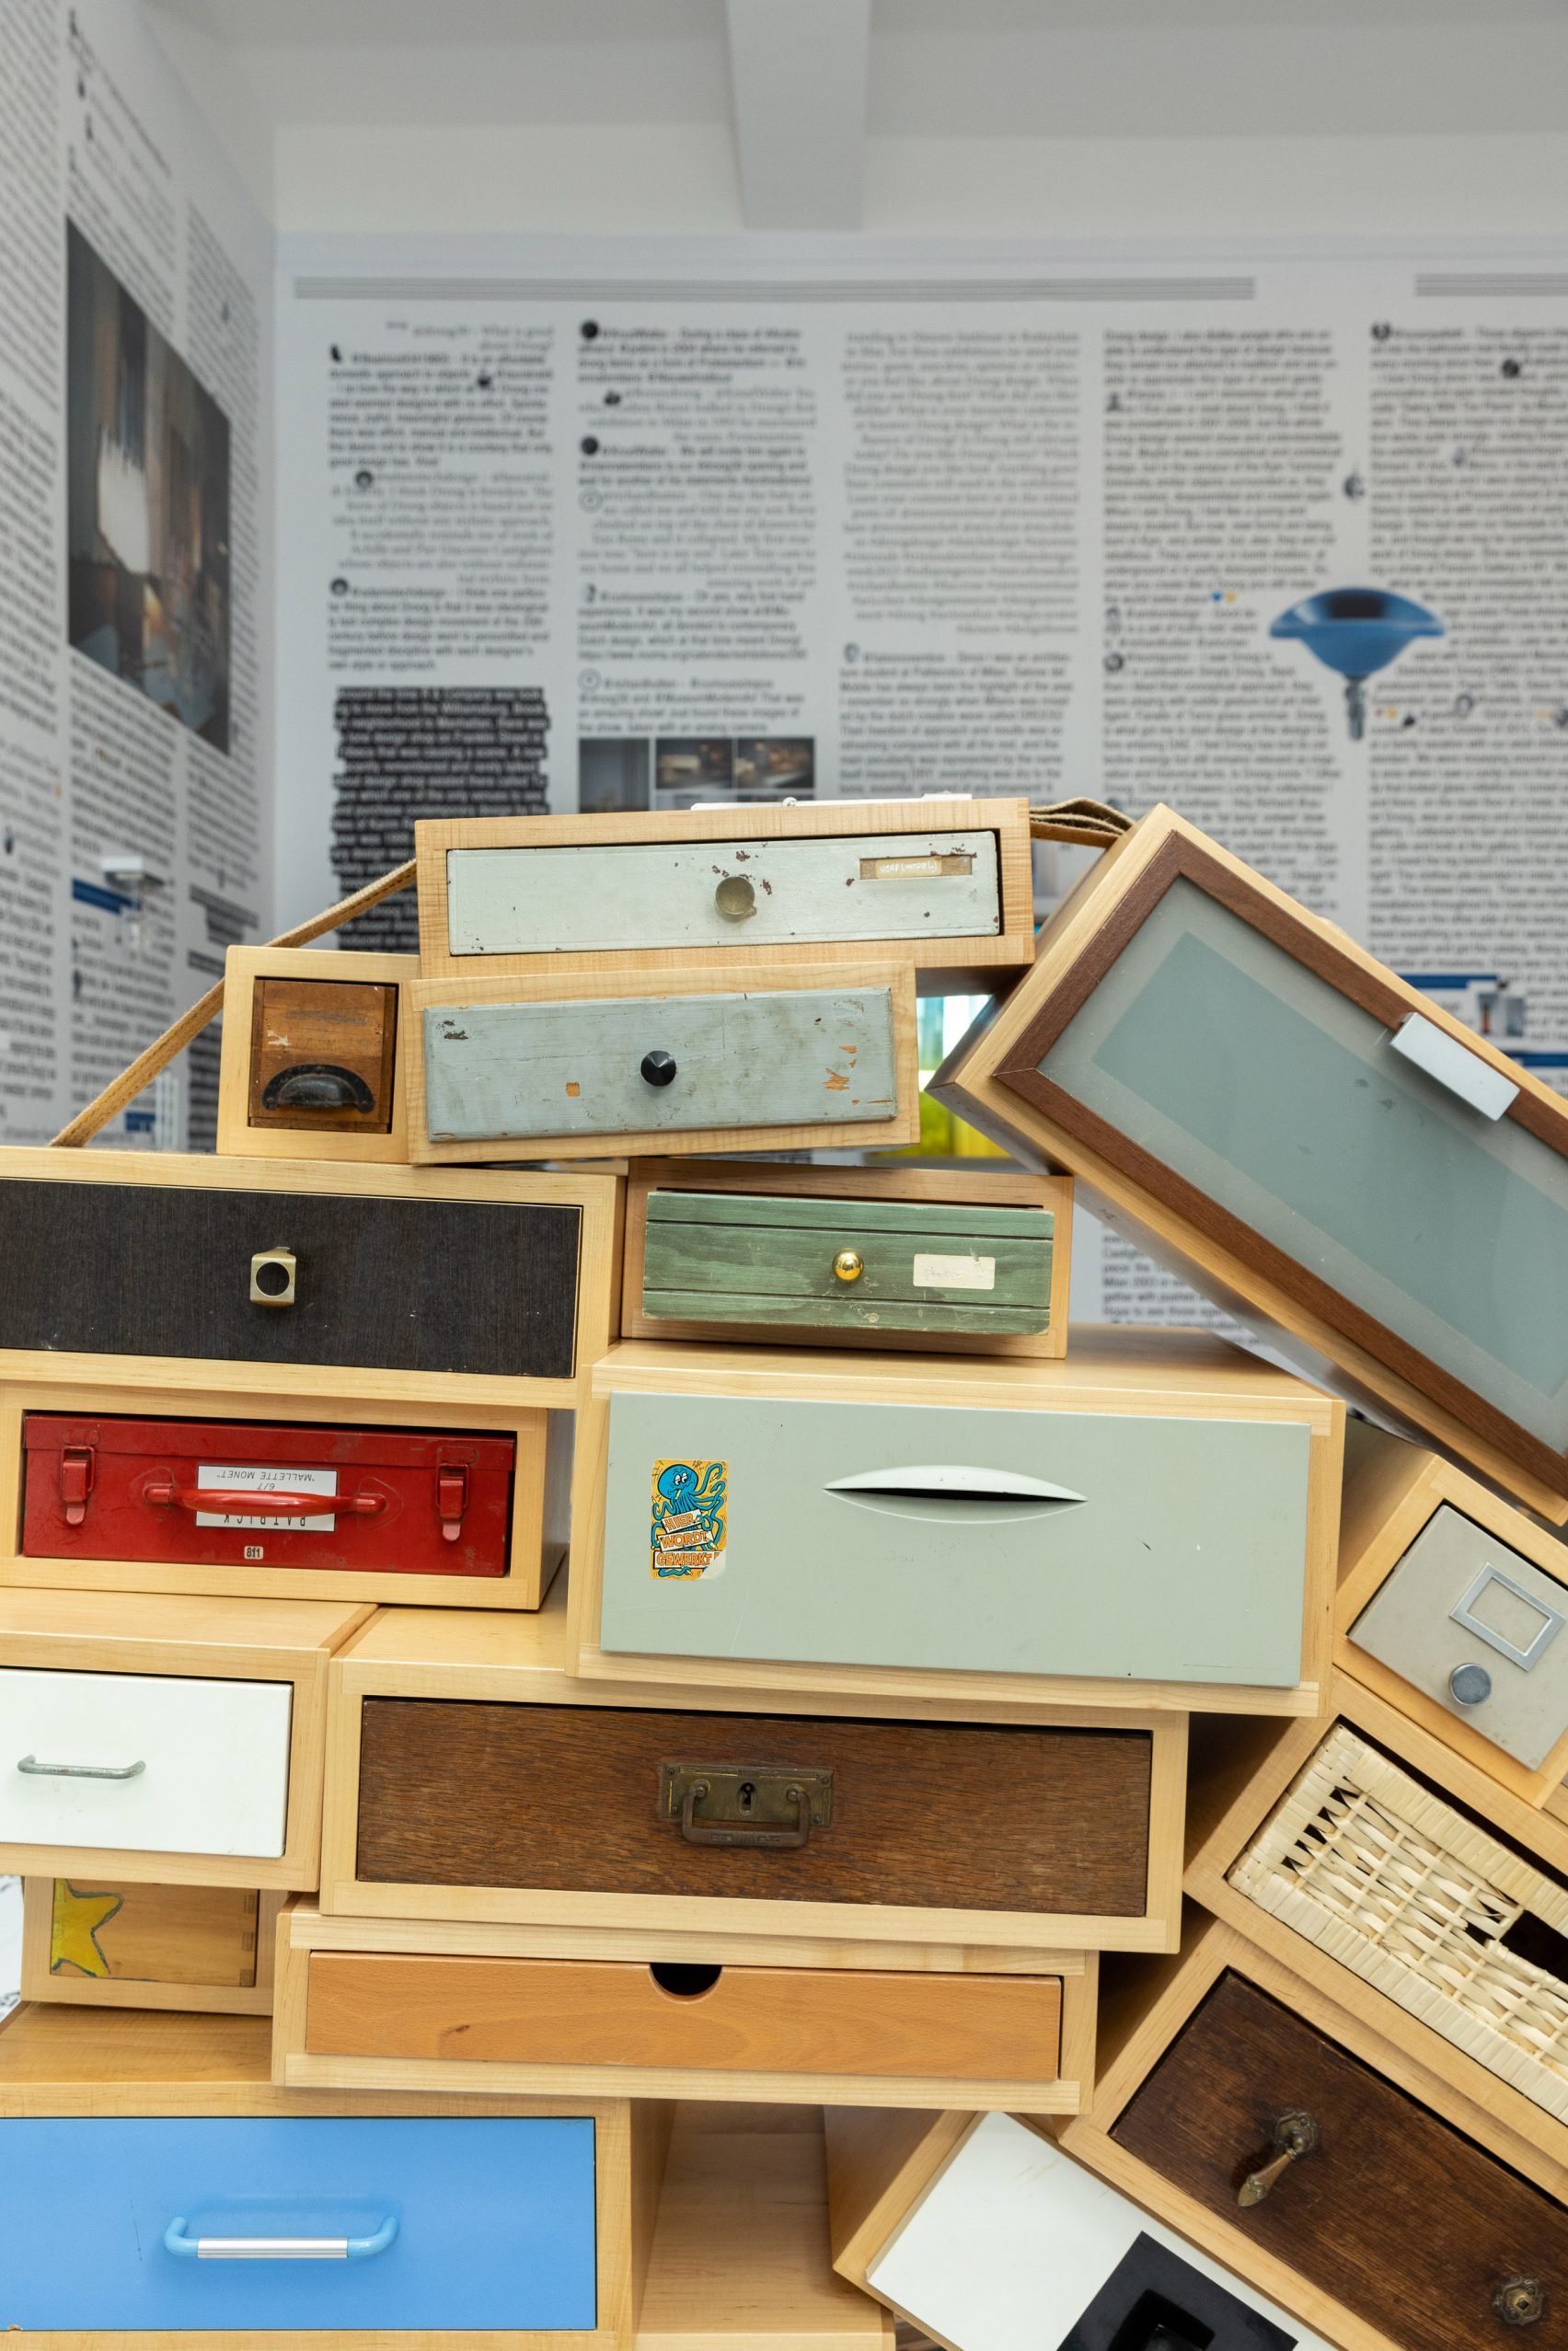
(1155, 1548)
(787, 1057)
(924, 1265)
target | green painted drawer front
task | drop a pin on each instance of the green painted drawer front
(781, 1058)
(927, 1265)
(1007, 1541)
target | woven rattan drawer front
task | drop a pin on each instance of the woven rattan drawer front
(1404, 2222)
(1421, 1902)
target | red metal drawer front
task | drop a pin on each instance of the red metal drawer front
(225, 1493)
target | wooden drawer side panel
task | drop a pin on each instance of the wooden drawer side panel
(944, 1817)
(764, 2020)
(1408, 2224)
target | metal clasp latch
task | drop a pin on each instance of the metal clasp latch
(451, 1498)
(1294, 2135)
(769, 1807)
(77, 1465)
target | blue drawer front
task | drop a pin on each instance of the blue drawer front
(495, 2222)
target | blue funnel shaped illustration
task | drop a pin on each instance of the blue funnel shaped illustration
(1357, 631)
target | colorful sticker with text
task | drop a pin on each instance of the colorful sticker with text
(690, 1518)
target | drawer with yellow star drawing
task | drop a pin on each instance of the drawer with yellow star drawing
(100, 1945)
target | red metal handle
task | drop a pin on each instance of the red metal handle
(240, 1503)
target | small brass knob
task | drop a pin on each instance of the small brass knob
(849, 1265)
(1521, 2301)
(1294, 2135)
(273, 1272)
(735, 897)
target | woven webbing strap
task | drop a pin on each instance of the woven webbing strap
(1089, 822)
(161, 1052)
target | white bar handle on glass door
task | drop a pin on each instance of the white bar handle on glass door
(1453, 1064)
(277, 2248)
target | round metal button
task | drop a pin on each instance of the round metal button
(849, 1265)
(1470, 1684)
(659, 1068)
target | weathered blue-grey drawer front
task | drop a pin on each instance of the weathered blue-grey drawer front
(674, 1065)
(1153, 1548)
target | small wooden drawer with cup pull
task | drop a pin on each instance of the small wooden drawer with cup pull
(157, 2189)
(1454, 1606)
(877, 1256)
(312, 1054)
(472, 1513)
(1316, 1175)
(1355, 1851)
(1044, 1829)
(306, 1277)
(1279, 2134)
(95, 1943)
(690, 1059)
(1152, 1515)
(487, 2010)
(987, 2235)
(943, 882)
(167, 1740)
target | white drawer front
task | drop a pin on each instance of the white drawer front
(215, 1759)
(1480, 1630)
(719, 893)
(781, 1058)
(1014, 2242)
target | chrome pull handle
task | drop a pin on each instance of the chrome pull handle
(767, 1840)
(1521, 2301)
(277, 2248)
(1295, 2136)
(37, 1770)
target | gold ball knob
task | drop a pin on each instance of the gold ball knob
(849, 1265)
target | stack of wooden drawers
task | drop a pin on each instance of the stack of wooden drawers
(425, 1944)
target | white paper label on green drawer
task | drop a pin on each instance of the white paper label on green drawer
(955, 1272)
(689, 1526)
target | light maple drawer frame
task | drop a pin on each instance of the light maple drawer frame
(166, 1917)
(244, 969)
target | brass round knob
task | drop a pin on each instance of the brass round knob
(1520, 2302)
(849, 1265)
(735, 897)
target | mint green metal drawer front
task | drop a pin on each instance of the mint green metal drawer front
(1153, 1548)
(923, 1265)
(637, 1065)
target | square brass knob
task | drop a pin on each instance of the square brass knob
(273, 1276)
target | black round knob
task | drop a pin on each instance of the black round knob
(659, 1068)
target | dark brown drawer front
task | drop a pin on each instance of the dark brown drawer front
(458, 1285)
(924, 1816)
(1410, 2225)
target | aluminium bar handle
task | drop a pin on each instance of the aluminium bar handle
(277, 2248)
(37, 1770)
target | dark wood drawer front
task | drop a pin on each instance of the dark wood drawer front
(565, 1798)
(437, 1285)
(1410, 2225)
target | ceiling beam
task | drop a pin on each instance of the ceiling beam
(799, 68)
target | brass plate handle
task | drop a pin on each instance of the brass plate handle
(1521, 2301)
(1295, 2136)
(849, 1265)
(769, 1808)
(767, 1840)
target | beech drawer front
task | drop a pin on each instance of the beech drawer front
(926, 1815)
(936, 1536)
(631, 896)
(213, 1760)
(480, 2223)
(321, 1055)
(419, 1285)
(1479, 1629)
(1410, 2226)
(733, 1257)
(1015, 2245)
(762, 2019)
(782, 1057)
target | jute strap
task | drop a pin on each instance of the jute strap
(1089, 822)
(161, 1052)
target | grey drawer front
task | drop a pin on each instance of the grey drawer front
(1182, 1560)
(462, 1286)
(1461, 1603)
(785, 1057)
(611, 896)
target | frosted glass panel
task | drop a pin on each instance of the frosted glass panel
(1280, 1099)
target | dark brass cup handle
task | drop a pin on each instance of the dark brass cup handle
(318, 1086)
(771, 1840)
(1520, 2301)
(1295, 2136)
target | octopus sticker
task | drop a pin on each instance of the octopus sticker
(690, 1519)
